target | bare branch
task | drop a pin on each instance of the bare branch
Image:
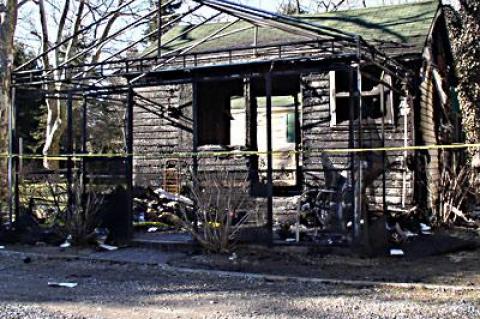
(76, 28)
(45, 37)
(60, 30)
(106, 32)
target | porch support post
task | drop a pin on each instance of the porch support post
(129, 159)
(195, 141)
(361, 216)
(352, 142)
(358, 218)
(195, 127)
(384, 154)
(70, 152)
(268, 88)
(251, 131)
(13, 196)
(16, 159)
(298, 138)
(84, 141)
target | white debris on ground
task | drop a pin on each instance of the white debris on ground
(62, 284)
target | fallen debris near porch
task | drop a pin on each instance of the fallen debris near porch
(152, 208)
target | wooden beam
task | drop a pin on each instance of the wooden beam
(268, 93)
(70, 154)
(159, 29)
(384, 157)
(12, 161)
(195, 141)
(351, 139)
(129, 160)
(84, 140)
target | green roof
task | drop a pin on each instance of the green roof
(406, 25)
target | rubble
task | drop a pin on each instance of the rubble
(152, 208)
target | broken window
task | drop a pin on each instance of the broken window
(215, 113)
(238, 121)
(284, 159)
(377, 97)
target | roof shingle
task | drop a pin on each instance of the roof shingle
(400, 29)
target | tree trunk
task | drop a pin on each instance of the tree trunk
(56, 124)
(299, 8)
(8, 21)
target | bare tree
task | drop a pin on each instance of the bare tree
(297, 7)
(334, 5)
(8, 21)
(290, 7)
(58, 24)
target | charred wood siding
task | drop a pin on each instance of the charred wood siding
(158, 131)
(318, 135)
(163, 131)
(428, 136)
(164, 128)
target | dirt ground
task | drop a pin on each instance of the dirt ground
(451, 259)
(134, 283)
(112, 290)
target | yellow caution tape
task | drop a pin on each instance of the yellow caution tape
(77, 157)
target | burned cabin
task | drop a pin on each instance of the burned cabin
(254, 88)
(330, 119)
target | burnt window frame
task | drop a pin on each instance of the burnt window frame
(258, 188)
(389, 102)
(222, 114)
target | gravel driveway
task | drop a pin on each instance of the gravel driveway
(109, 290)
